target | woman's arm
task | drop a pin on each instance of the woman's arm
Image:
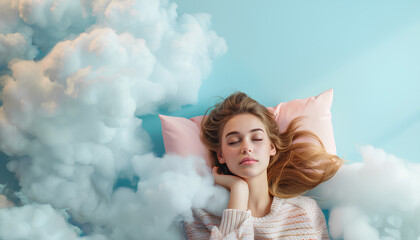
(239, 191)
(235, 219)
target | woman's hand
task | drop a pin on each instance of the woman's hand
(238, 187)
(228, 181)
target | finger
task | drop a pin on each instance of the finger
(214, 172)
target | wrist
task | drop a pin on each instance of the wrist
(239, 196)
(240, 186)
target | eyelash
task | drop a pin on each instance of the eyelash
(256, 139)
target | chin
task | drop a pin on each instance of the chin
(248, 173)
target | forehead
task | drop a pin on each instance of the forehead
(243, 123)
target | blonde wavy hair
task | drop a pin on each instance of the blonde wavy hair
(297, 166)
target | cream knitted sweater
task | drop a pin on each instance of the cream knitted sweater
(294, 218)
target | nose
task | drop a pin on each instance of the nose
(246, 147)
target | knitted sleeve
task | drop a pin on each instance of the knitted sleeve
(234, 224)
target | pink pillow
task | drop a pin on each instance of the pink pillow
(182, 136)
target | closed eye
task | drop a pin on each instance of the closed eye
(258, 139)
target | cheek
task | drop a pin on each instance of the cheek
(266, 148)
(228, 152)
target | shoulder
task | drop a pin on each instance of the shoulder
(307, 205)
(311, 209)
(305, 211)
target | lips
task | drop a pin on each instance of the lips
(248, 161)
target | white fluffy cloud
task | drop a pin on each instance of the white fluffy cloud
(79, 72)
(38, 222)
(168, 188)
(15, 45)
(182, 46)
(28, 27)
(374, 199)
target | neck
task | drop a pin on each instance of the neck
(259, 198)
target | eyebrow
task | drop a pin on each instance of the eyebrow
(236, 132)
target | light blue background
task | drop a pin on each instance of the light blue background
(367, 51)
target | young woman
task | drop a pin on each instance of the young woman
(266, 173)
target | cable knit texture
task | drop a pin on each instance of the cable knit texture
(294, 218)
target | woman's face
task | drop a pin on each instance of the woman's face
(245, 146)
